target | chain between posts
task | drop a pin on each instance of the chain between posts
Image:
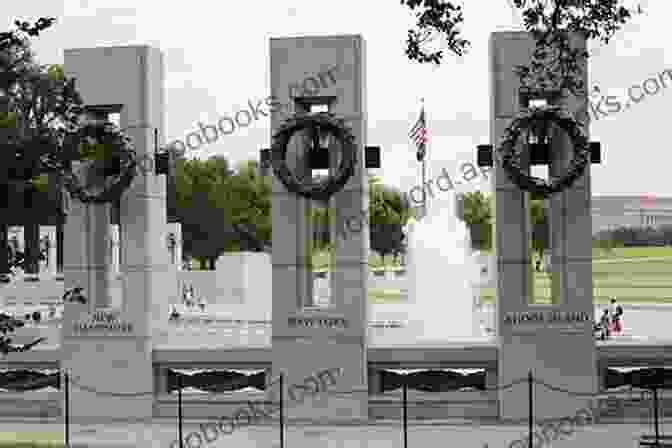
(74, 380)
(576, 394)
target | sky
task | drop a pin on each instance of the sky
(216, 57)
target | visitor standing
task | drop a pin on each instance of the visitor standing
(46, 245)
(174, 315)
(189, 296)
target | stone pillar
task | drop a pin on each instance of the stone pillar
(303, 340)
(175, 258)
(59, 244)
(116, 293)
(562, 354)
(76, 267)
(4, 205)
(87, 261)
(16, 238)
(99, 243)
(4, 241)
(173, 294)
(117, 358)
(297, 160)
(49, 233)
(114, 249)
(31, 234)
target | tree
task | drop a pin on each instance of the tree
(222, 210)
(43, 105)
(387, 239)
(477, 214)
(201, 223)
(388, 213)
(540, 227)
(442, 19)
(249, 203)
(15, 60)
(40, 108)
(555, 64)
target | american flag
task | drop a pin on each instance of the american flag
(420, 135)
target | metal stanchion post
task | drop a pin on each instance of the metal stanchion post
(655, 415)
(405, 417)
(67, 410)
(531, 405)
(282, 413)
(179, 409)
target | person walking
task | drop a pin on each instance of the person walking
(616, 317)
(604, 325)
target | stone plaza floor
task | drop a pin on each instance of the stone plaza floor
(161, 434)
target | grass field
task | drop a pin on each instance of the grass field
(322, 260)
(32, 439)
(632, 252)
(624, 273)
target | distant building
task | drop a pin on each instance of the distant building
(610, 212)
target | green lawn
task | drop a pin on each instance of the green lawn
(628, 279)
(322, 261)
(632, 252)
(32, 439)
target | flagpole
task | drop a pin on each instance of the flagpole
(424, 169)
(424, 193)
(418, 135)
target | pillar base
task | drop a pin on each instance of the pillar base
(343, 396)
(116, 367)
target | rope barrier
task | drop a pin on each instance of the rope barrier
(567, 391)
(507, 386)
(586, 394)
(109, 394)
(75, 381)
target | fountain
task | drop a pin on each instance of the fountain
(442, 273)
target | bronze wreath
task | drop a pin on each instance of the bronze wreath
(320, 191)
(510, 154)
(109, 151)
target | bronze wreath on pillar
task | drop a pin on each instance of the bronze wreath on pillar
(105, 152)
(510, 153)
(325, 122)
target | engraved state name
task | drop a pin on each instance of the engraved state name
(317, 322)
